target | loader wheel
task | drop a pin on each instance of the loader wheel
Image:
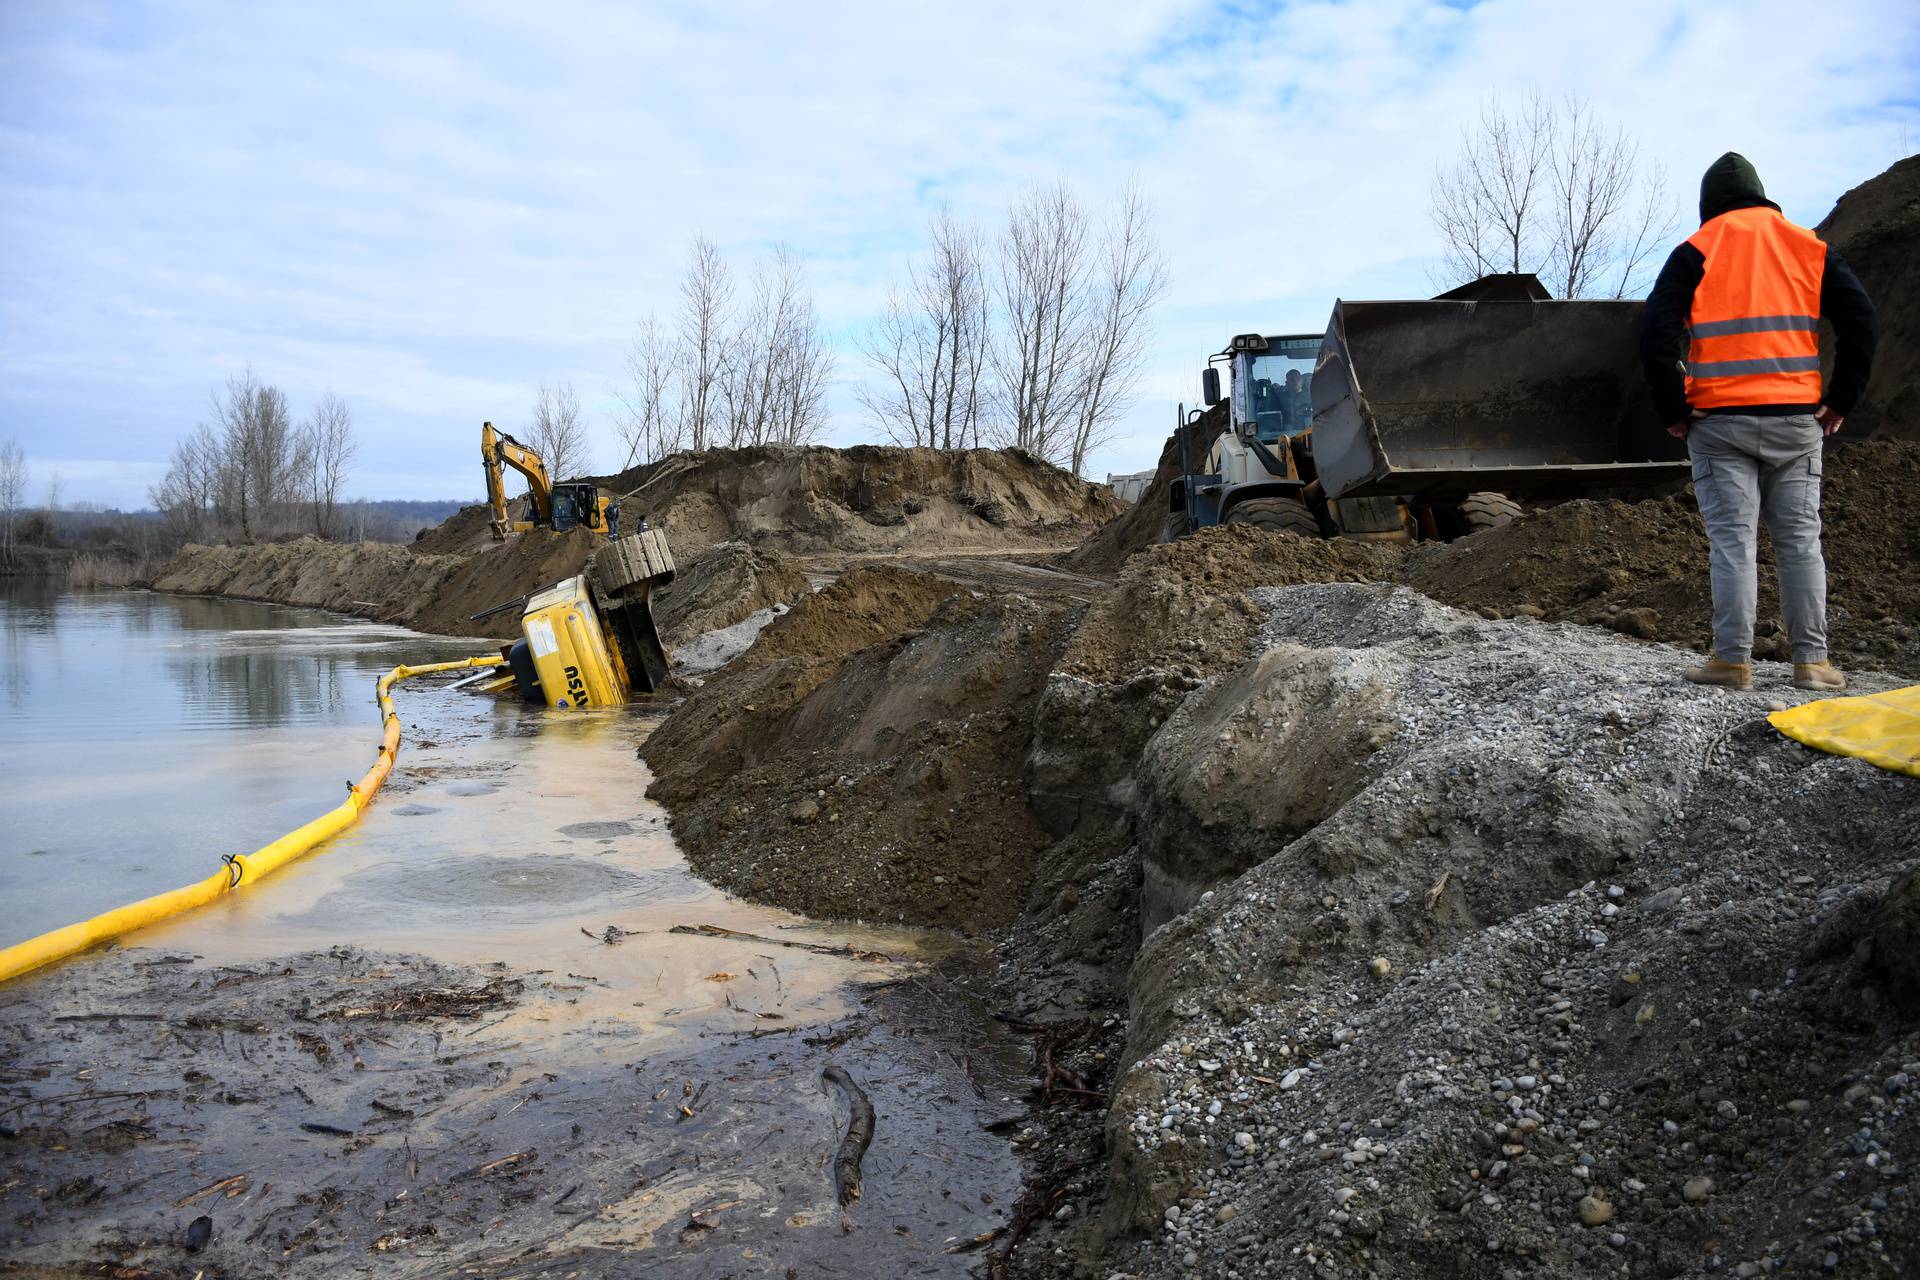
(1276, 515)
(1486, 511)
(1174, 527)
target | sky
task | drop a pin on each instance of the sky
(432, 209)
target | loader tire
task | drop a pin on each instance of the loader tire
(1174, 527)
(1276, 515)
(1486, 511)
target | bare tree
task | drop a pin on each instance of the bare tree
(1123, 287)
(648, 424)
(1551, 190)
(259, 456)
(327, 449)
(558, 433)
(188, 496)
(1609, 213)
(930, 346)
(56, 485)
(772, 385)
(1487, 206)
(13, 495)
(1044, 260)
(706, 301)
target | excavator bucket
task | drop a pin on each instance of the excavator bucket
(1437, 399)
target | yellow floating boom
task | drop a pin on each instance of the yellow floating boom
(236, 869)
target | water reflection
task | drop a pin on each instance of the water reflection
(112, 663)
(145, 735)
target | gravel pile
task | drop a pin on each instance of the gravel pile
(1582, 978)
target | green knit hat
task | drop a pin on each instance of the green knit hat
(1729, 183)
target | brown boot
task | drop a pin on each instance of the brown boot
(1818, 677)
(1725, 675)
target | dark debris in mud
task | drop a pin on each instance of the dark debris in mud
(346, 1112)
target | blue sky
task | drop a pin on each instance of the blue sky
(430, 209)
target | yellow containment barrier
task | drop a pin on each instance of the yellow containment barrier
(237, 869)
(1880, 728)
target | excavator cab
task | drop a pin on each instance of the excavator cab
(578, 504)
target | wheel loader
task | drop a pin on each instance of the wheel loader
(590, 640)
(1423, 419)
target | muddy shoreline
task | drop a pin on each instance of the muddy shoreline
(350, 1111)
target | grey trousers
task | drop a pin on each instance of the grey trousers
(1746, 468)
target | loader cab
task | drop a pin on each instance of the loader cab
(1271, 384)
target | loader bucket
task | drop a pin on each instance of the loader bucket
(1437, 399)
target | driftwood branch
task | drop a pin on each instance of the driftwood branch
(853, 1147)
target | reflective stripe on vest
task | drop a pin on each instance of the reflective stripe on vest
(1756, 313)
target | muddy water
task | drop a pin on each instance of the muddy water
(145, 735)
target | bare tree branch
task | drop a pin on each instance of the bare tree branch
(649, 425)
(1128, 281)
(557, 432)
(931, 344)
(327, 450)
(1044, 261)
(13, 494)
(706, 303)
(1553, 191)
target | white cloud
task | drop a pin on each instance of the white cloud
(431, 214)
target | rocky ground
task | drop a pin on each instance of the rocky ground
(1471, 945)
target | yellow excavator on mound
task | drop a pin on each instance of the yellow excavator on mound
(567, 504)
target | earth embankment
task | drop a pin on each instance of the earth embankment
(735, 518)
(1876, 228)
(1394, 938)
(826, 501)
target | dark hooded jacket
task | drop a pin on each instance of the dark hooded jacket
(1732, 183)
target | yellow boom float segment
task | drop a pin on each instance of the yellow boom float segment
(1881, 728)
(241, 869)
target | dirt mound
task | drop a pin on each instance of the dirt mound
(713, 588)
(864, 499)
(1641, 569)
(434, 593)
(866, 606)
(1876, 228)
(1178, 599)
(502, 572)
(863, 759)
(724, 585)
(460, 534)
(1138, 527)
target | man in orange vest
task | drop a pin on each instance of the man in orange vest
(1731, 344)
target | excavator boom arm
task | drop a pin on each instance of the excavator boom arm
(498, 449)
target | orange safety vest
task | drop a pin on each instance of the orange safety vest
(1756, 313)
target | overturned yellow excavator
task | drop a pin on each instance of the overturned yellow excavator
(560, 506)
(590, 640)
